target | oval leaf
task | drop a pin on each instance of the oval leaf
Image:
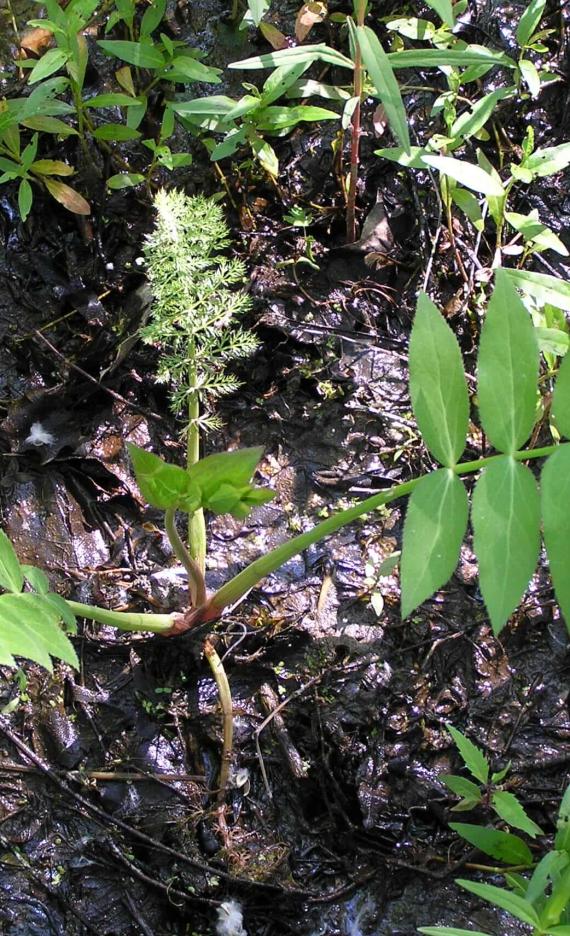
(555, 503)
(436, 521)
(67, 196)
(124, 180)
(49, 63)
(507, 369)
(437, 384)
(506, 526)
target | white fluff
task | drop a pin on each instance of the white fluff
(230, 919)
(39, 436)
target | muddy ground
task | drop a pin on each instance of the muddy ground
(108, 819)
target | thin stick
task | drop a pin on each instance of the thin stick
(270, 717)
(225, 696)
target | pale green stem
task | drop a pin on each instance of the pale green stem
(196, 522)
(124, 620)
(196, 583)
(237, 587)
(225, 696)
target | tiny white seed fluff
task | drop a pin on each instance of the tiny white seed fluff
(230, 919)
(39, 436)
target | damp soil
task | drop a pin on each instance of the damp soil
(337, 819)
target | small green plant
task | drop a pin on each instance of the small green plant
(508, 508)
(194, 318)
(542, 902)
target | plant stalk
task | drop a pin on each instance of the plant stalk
(225, 697)
(359, 11)
(124, 620)
(196, 522)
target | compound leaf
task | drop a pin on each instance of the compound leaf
(555, 498)
(500, 845)
(506, 525)
(436, 521)
(29, 627)
(507, 369)
(561, 399)
(437, 384)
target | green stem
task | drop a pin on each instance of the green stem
(196, 582)
(124, 620)
(237, 587)
(225, 696)
(196, 522)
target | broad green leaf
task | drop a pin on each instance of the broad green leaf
(228, 146)
(11, 574)
(561, 399)
(469, 175)
(542, 287)
(163, 485)
(232, 468)
(143, 55)
(25, 198)
(437, 384)
(412, 28)
(462, 787)
(115, 132)
(436, 522)
(506, 525)
(468, 204)
(280, 80)
(449, 931)
(471, 121)
(124, 180)
(507, 369)
(444, 10)
(473, 758)
(67, 196)
(530, 76)
(548, 161)
(36, 578)
(558, 931)
(29, 627)
(63, 611)
(111, 100)
(507, 806)
(152, 17)
(412, 160)
(555, 504)
(380, 71)
(500, 845)
(49, 63)
(529, 21)
(512, 903)
(562, 840)
(47, 124)
(533, 230)
(52, 167)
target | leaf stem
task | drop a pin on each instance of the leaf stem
(124, 620)
(196, 582)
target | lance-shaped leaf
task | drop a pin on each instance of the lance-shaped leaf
(436, 521)
(471, 176)
(378, 66)
(473, 757)
(507, 806)
(501, 845)
(506, 524)
(437, 384)
(11, 573)
(561, 398)
(555, 497)
(519, 907)
(507, 369)
(542, 287)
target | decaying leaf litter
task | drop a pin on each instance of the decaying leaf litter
(348, 830)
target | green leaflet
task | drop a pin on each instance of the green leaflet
(141, 54)
(378, 66)
(462, 787)
(507, 806)
(29, 627)
(549, 160)
(11, 575)
(444, 9)
(437, 384)
(436, 521)
(506, 525)
(507, 369)
(555, 497)
(162, 485)
(519, 907)
(561, 399)
(500, 845)
(530, 20)
(473, 758)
